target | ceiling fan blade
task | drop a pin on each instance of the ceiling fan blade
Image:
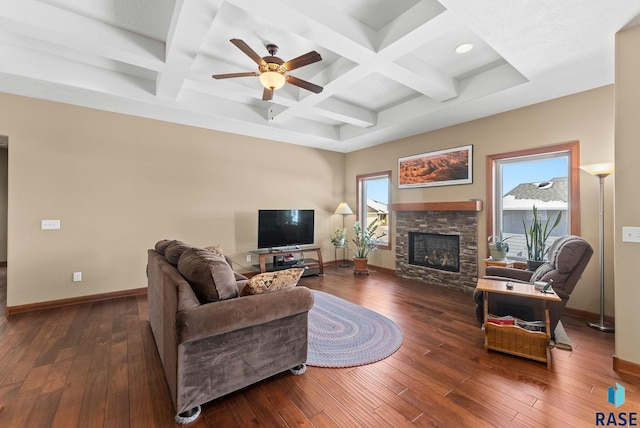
(248, 51)
(304, 84)
(302, 60)
(267, 94)
(231, 75)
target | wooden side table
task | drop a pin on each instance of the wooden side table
(502, 263)
(513, 339)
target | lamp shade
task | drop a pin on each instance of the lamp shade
(272, 80)
(598, 169)
(343, 209)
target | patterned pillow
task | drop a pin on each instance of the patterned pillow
(215, 249)
(272, 281)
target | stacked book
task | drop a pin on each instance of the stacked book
(509, 320)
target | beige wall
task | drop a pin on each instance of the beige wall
(587, 117)
(627, 201)
(120, 183)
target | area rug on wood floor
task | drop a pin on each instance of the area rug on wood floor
(343, 334)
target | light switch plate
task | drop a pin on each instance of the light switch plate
(630, 234)
(50, 224)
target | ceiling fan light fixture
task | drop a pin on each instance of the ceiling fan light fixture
(272, 80)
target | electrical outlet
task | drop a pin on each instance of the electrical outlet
(248, 258)
(77, 276)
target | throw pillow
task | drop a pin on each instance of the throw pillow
(272, 281)
(162, 245)
(174, 250)
(215, 249)
(210, 276)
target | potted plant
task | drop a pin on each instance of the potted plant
(498, 248)
(536, 236)
(339, 236)
(365, 240)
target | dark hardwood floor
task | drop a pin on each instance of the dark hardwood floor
(96, 365)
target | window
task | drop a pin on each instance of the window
(546, 177)
(373, 193)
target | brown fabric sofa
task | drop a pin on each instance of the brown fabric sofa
(568, 257)
(211, 349)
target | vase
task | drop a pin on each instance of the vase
(497, 254)
(360, 265)
(532, 265)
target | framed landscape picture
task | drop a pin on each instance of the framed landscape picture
(440, 168)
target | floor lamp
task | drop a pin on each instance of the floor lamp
(344, 210)
(600, 170)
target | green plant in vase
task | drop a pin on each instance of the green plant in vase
(366, 240)
(498, 248)
(339, 236)
(536, 236)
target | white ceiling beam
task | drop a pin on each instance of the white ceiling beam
(347, 79)
(347, 113)
(414, 73)
(329, 109)
(190, 23)
(412, 23)
(414, 28)
(55, 25)
(318, 22)
(248, 117)
(494, 80)
(58, 70)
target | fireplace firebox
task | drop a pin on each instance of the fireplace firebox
(434, 250)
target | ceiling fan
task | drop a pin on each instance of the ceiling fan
(272, 70)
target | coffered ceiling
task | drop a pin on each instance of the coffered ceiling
(389, 67)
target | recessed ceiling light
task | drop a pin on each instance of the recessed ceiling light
(464, 48)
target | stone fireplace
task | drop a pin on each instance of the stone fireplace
(438, 242)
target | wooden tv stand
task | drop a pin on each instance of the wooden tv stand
(263, 255)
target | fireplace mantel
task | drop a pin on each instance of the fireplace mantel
(471, 205)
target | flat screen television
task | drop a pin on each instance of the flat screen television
(281, 228)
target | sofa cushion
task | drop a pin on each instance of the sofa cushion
(162, 245)
(210, 276)
(174, 250)
(272, 281)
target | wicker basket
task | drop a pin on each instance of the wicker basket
(518, 341)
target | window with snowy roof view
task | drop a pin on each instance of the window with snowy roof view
(545, 178)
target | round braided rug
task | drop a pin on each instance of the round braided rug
(343, 334)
